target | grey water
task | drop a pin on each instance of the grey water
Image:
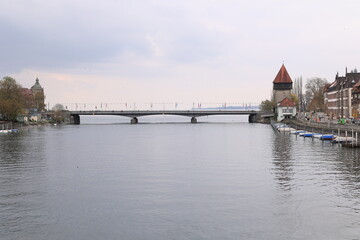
(165, 178)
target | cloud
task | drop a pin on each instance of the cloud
(196, 46)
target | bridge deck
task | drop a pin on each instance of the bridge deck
(188, 113)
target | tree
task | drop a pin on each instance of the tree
(12, 102)
(59, 113)
(298, 91)
(314, 94)
(267, 105)
(295, 99)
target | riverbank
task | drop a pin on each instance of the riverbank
(329, 127)
(21, 126)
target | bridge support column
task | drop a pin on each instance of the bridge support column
(252, 118)
(75, 119)
(134, 120)
(193, 120)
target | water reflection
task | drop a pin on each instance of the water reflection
(348, 164)
(283, 160)
(22, 168)
(211, 181)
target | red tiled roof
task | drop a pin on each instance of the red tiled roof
(286, 103)
(26, 91)
(282, 76)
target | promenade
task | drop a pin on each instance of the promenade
(324, 127)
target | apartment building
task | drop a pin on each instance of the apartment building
(339, 95)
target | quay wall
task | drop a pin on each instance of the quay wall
(330, 128)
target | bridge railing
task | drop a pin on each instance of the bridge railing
(123, 106)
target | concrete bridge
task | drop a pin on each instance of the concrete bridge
(254, 116)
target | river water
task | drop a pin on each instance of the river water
(222, 178)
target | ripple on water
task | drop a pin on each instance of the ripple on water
(177, 181)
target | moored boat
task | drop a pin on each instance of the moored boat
(297, 131)
(317, 135)
(343, 140)
(308, 134)
(9, 131)
(327, 137)
(285, 129)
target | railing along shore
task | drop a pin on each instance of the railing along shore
(324, 127)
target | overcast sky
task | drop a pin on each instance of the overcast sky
(174, 51)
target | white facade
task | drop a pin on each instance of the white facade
(285, 112)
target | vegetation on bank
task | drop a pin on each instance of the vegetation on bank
(58, 113)
(16, 103)
(12, 101)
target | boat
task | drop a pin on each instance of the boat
(327, 137)
(343, 140)
(317, 135)
(285, 129)
(297, 132)
(5, 131)
(9, 131)
(308, 134)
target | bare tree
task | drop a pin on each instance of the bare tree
(314, 94)
(59, 113)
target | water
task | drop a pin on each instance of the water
(220, 179)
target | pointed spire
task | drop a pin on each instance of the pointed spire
(282, 76)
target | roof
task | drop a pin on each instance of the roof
(282, 76)
(26, 91)
(37, 85)
(347, 81)
(286, 103)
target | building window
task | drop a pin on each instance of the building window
(288, 110)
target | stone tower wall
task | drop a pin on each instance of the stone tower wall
(279, 95)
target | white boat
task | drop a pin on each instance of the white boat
(8, 131)
(297, 131)
(343, 139)
(317, 135)
(286, 129)
(5, 131)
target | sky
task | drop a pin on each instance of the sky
(165, 51)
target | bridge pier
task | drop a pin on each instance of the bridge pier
(193, 120)
(134, 120)
(75, 119)
(252, 118)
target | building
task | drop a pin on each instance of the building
(35, 97)
(341, 96)
(282, 86)
(285, 109)
(355, 101)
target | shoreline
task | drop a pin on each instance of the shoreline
(323, 128)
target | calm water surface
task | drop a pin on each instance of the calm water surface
(219, 179)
